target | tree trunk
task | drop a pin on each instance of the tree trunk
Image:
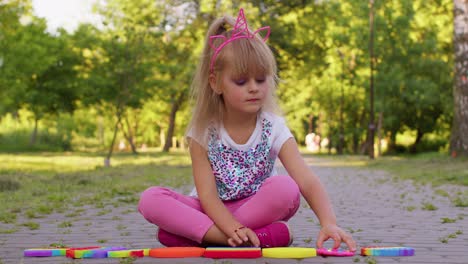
(419, 136)
(357, 146)
(135, 130)
(459, 136)
(371, 128)
(170, 131)
(33, 138)
(365, 144)
(379, 134)
(318, 131)
(101, 129)
(391, 145)
(355, 142)
(111, 147)
(311, 124)
(130, 135)
(341, 128)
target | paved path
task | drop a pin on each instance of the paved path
(376, 209)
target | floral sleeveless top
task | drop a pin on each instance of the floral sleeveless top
(240, 173)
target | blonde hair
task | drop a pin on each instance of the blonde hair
(247, 57)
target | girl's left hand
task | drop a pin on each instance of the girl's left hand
(246, 235)
(338, 235)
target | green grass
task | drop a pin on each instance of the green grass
(31, 225)
(434, 168)
(429, 206)
(37, 184)
(446, 220)
(65, 224)
(450, 236)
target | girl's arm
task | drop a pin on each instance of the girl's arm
(208, 195)
(315, 195)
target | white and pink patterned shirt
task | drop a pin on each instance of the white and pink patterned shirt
(240, 169)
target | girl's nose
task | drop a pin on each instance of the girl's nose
(253, 86)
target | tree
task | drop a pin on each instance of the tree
(179, 62)
(143, 58)
(55, 89)
(413, 73)
(371, 128)
(459, 137)
(10, 14)
(17, 51)
(130, 43)
(37, 68)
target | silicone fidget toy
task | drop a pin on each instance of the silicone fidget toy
(176, 252)
(232, 252)
(289, 252)
(387, 251)
(334, 252)
(136, 253)
(100, 252)
(45, 252)
(78, 252)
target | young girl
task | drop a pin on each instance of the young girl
(235, 136)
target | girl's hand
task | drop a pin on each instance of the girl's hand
(338, 235)
(243, 236)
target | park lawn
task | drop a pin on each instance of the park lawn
(33, 185)
(436, 169)
(430, 168)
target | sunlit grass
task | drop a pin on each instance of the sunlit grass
(433, 168)
(70, 162)
(38, 184)
(324, 160)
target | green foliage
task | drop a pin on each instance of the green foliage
(14, 52)
(15, 135)
(427, 144)
(129, 73)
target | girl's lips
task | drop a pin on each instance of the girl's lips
(252, 100)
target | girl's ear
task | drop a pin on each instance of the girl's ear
(212, 79)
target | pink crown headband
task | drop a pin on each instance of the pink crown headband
(241, 30)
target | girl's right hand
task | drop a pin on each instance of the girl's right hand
(243, 236)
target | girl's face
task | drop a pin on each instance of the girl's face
(241, 94)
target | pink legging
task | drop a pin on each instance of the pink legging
(277, 199)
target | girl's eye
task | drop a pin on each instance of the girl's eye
(240, 81)
(260, 80)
